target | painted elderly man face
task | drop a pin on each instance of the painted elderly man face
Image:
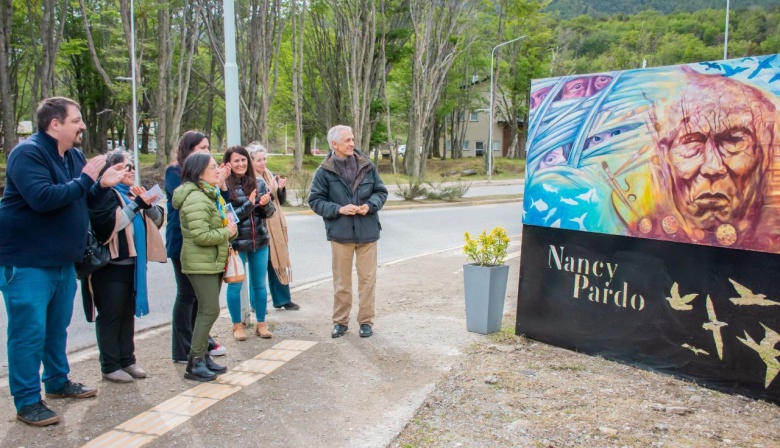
(715, 155)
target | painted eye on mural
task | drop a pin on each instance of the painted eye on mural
(539, 96)
(576, 88)
(601, 81)
(693, 137)
(555, 157)
(735, 141)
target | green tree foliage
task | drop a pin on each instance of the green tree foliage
(600, 8)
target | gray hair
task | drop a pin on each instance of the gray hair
(254, 148)
(114, 157)
(336, 132)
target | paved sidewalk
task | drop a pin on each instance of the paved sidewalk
(311, 390)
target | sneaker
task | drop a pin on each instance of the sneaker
(73, 390)
(218, 350)
(292, 306)
(37, 414)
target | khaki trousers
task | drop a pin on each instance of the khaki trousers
(343, 254)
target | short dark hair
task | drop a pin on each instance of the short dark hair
(54, 108)
(194, 166)
(187, 142)
(248, 181)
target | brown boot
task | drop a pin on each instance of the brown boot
(262, 330)
(239, 333)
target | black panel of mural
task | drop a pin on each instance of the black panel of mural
(705, 313)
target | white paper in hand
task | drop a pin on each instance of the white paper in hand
(155, 190)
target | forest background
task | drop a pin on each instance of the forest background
(398, 71)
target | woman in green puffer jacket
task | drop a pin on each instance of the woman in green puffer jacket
(206, 231)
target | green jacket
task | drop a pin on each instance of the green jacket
(205, 241)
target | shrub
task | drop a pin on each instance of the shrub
(449, 191)
(412, 190)
(488, 249)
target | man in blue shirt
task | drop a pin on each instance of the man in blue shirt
(43, 231)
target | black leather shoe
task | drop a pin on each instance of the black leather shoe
(338, 331)
(213, 366)
(365, 330)
(73, 390)
(37, 414)
(292, 306)
(197, 370)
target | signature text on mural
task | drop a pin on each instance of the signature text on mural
(594, 279)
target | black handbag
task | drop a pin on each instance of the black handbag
(96, 256)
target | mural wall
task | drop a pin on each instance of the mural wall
(652, 220)
(687, 153)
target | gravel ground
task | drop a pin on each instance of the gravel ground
(514, 392)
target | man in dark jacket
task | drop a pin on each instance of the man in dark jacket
(43, 232)
(348, 193)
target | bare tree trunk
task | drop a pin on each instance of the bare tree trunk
(144, 137)
(260, 57)
(188, 44)
(356, 26)
(52, 38)
(210, 96)
(9, 120)
(345, 79)
(164, 62)
(435, 27)
(298, 25)
(50, 30)
(383, 61)
(436, 149)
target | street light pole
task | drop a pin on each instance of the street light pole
(233, 114)
(135, 101)
(232, 110)
(726, 40)
(490, 123)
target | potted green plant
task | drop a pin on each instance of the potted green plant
(484, 280)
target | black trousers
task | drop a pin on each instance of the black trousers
(185, 309)
(114, 292)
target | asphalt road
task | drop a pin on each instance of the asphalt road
(406, 233)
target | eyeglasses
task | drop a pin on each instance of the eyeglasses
(129, 167)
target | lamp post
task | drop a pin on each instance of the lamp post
(135, 101)
(490, 123)
(726, 40)
(232, 110)
(233, 113)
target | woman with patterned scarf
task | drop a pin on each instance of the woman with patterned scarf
(279, 266)
(206, 232)
(125, 220)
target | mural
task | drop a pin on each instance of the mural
(686, 153)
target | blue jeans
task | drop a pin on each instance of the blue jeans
(39, 303)
(280, 293)
(257, 263)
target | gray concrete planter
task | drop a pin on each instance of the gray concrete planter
(485, 290)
